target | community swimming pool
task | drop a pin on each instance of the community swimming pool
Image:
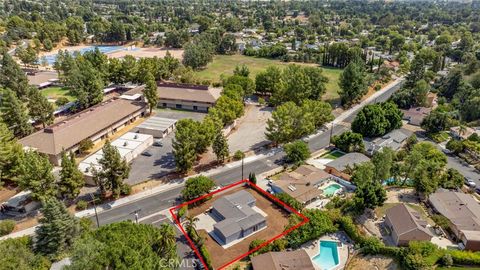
(331, 189)
(103, 49)
(328, 257)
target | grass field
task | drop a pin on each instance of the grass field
(225, 64)
(57, 92)
(333, 155)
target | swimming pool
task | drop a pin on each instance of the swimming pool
(103, 49)
(331, 189)
(328, 256)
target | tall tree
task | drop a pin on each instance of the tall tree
(353, 83)
(417, 72)
(71, 178)
(184, 146)
(113, 170)
(11, 155)
(39, 109)
(297, 152)
(383, 161)
(369, 193)
(57, 230)
(349, 141)
(13, 77)
(36, 176)
(220, 147)
(13, 113)
(150, 92)
(196, 187)
(74, 30)
(266, 81)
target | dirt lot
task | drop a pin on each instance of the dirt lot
(372, 262)
(277, 219)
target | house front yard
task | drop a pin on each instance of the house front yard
(277, 219)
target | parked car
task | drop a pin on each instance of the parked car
(215, 188)
(158, 143)
(147, 154)
(477, 190)
(469, 182)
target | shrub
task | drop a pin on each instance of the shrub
(206, 256)
(61, 101)
(84, 146)
(297, 152)
(465, 257)
(81, 205)
(261, 101)
(126, 190)
(182, 211)
(238, 155)
(289, 200)
(447, 260)
(6, 227)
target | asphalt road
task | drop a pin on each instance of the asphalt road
(167, 199)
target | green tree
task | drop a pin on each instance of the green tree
(252, 178)
(220, 147)
(71, 178)
(39, 109)
(197, 55)
(150, 92)
(349, 141)
(436, 121)
(241, 71)
(318, 225)
(417, 72)
(13, 77)
(297, 152)
(369, 192)
(227, 109)
(393, 115)
(284, 126)
(145, 246)
(353, 83)
(370, 121)
(267, 80)
(453, 179)
(113, 170)
(246, 83)
(18, 255)
(14, 115)
(36, 176)
(74, 30)
(11, 155)
(28, 56)
(383, 161)
(196, 187)
(455, 146)
(184, 144)
(57, 230)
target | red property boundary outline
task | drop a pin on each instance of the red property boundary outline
(270, 196)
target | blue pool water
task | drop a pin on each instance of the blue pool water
(331, 189)
(103, 49)
(328, 256)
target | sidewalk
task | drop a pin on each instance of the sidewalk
(180, 182)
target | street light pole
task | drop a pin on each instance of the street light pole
(95, 208)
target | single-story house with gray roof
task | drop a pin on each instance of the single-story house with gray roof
(236, 218)
(339, 167)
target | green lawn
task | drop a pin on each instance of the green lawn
(225, 64)
(57, 92)
(333, 154)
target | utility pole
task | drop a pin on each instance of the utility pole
(331, 134)
(95, 208)
(242, 168)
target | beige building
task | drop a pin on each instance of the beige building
(187, 97)
(94, 123)
(406, 225)
(301, 184)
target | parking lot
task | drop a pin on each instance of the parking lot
(161, 161)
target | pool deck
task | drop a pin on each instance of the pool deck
(313, 248)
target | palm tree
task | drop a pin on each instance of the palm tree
(190, 227)
(462, 129)
(167, 242)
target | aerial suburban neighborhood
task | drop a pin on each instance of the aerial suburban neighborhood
(262, 135)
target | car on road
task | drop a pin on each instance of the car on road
(469, 182)
(158, 143)
(446, 151)
(147, 154)
(215, 188)
(477, 190)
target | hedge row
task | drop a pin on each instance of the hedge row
(465, 257)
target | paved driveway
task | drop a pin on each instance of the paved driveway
(249, 133)
(161, 162)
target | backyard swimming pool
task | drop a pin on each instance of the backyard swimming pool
(331, 189)
(103, 49)
(328, 256)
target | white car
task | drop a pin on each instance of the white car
(469, 182)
